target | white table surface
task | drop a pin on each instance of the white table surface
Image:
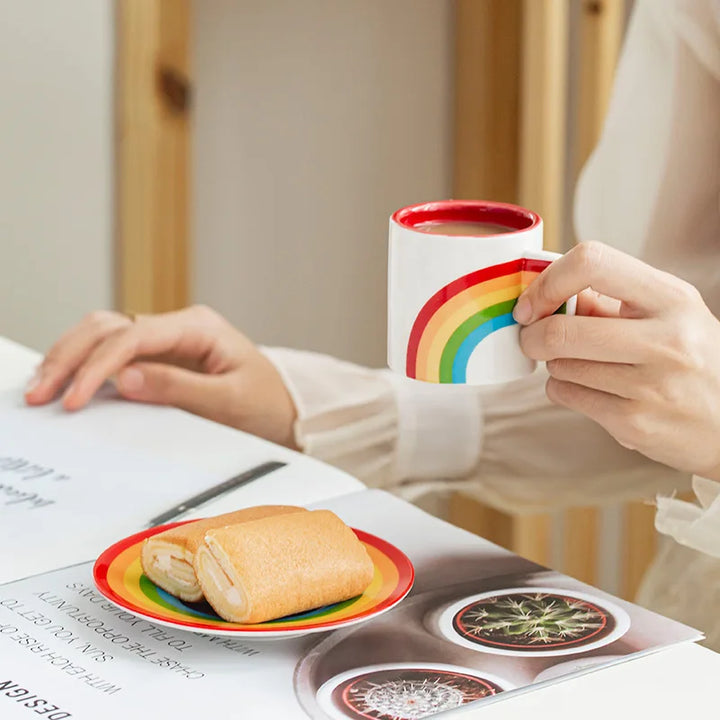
(680, 682)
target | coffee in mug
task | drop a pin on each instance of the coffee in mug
(475, 229)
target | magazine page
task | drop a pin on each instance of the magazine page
(71, 483)
(479, 624)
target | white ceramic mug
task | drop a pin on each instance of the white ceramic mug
(450, 296)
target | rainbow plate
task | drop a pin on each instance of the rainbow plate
(119, 577)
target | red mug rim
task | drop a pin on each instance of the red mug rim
(514, 217)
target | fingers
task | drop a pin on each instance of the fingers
(608, 271)
(633, 427)
(604, 408)
(180, 333)
(590, 338)
(170, 385)
(613, 378)
(68, 353)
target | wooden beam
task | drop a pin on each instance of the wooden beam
(527, 535)
(543, 103)
(602, 23)
(639, 542)
(152, 154)
(580, 543)
(487, 89)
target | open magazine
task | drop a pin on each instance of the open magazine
(479, 624)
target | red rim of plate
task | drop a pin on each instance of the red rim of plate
(405, 570)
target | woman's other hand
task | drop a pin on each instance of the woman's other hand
(192, 358)
(641, 358)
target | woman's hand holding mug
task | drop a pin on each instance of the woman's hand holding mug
(641, 357)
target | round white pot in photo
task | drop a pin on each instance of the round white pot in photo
(531, 621)
(405, 691)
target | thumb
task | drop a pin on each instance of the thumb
(164, 384)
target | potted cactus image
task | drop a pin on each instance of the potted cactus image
(533, 621)
(404, 691)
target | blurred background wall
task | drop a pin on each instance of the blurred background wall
(313, 122)
(56, 165)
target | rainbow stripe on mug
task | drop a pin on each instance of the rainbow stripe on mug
(459, 316)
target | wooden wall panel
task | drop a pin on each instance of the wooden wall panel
(487, 99)
(601, 28)
(581, 540)
(152, 154)
(526, 535)
(639, 543)
(543, 110)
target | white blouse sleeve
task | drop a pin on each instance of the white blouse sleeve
(507, 442)
(379, 427)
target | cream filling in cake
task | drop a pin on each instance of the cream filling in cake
(171, 567)
(220, 590)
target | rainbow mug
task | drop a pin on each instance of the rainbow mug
(456, 269)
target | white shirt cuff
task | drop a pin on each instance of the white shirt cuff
(439, 429)
(379, 426)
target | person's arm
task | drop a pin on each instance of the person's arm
(640, 358)
(507, 442)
